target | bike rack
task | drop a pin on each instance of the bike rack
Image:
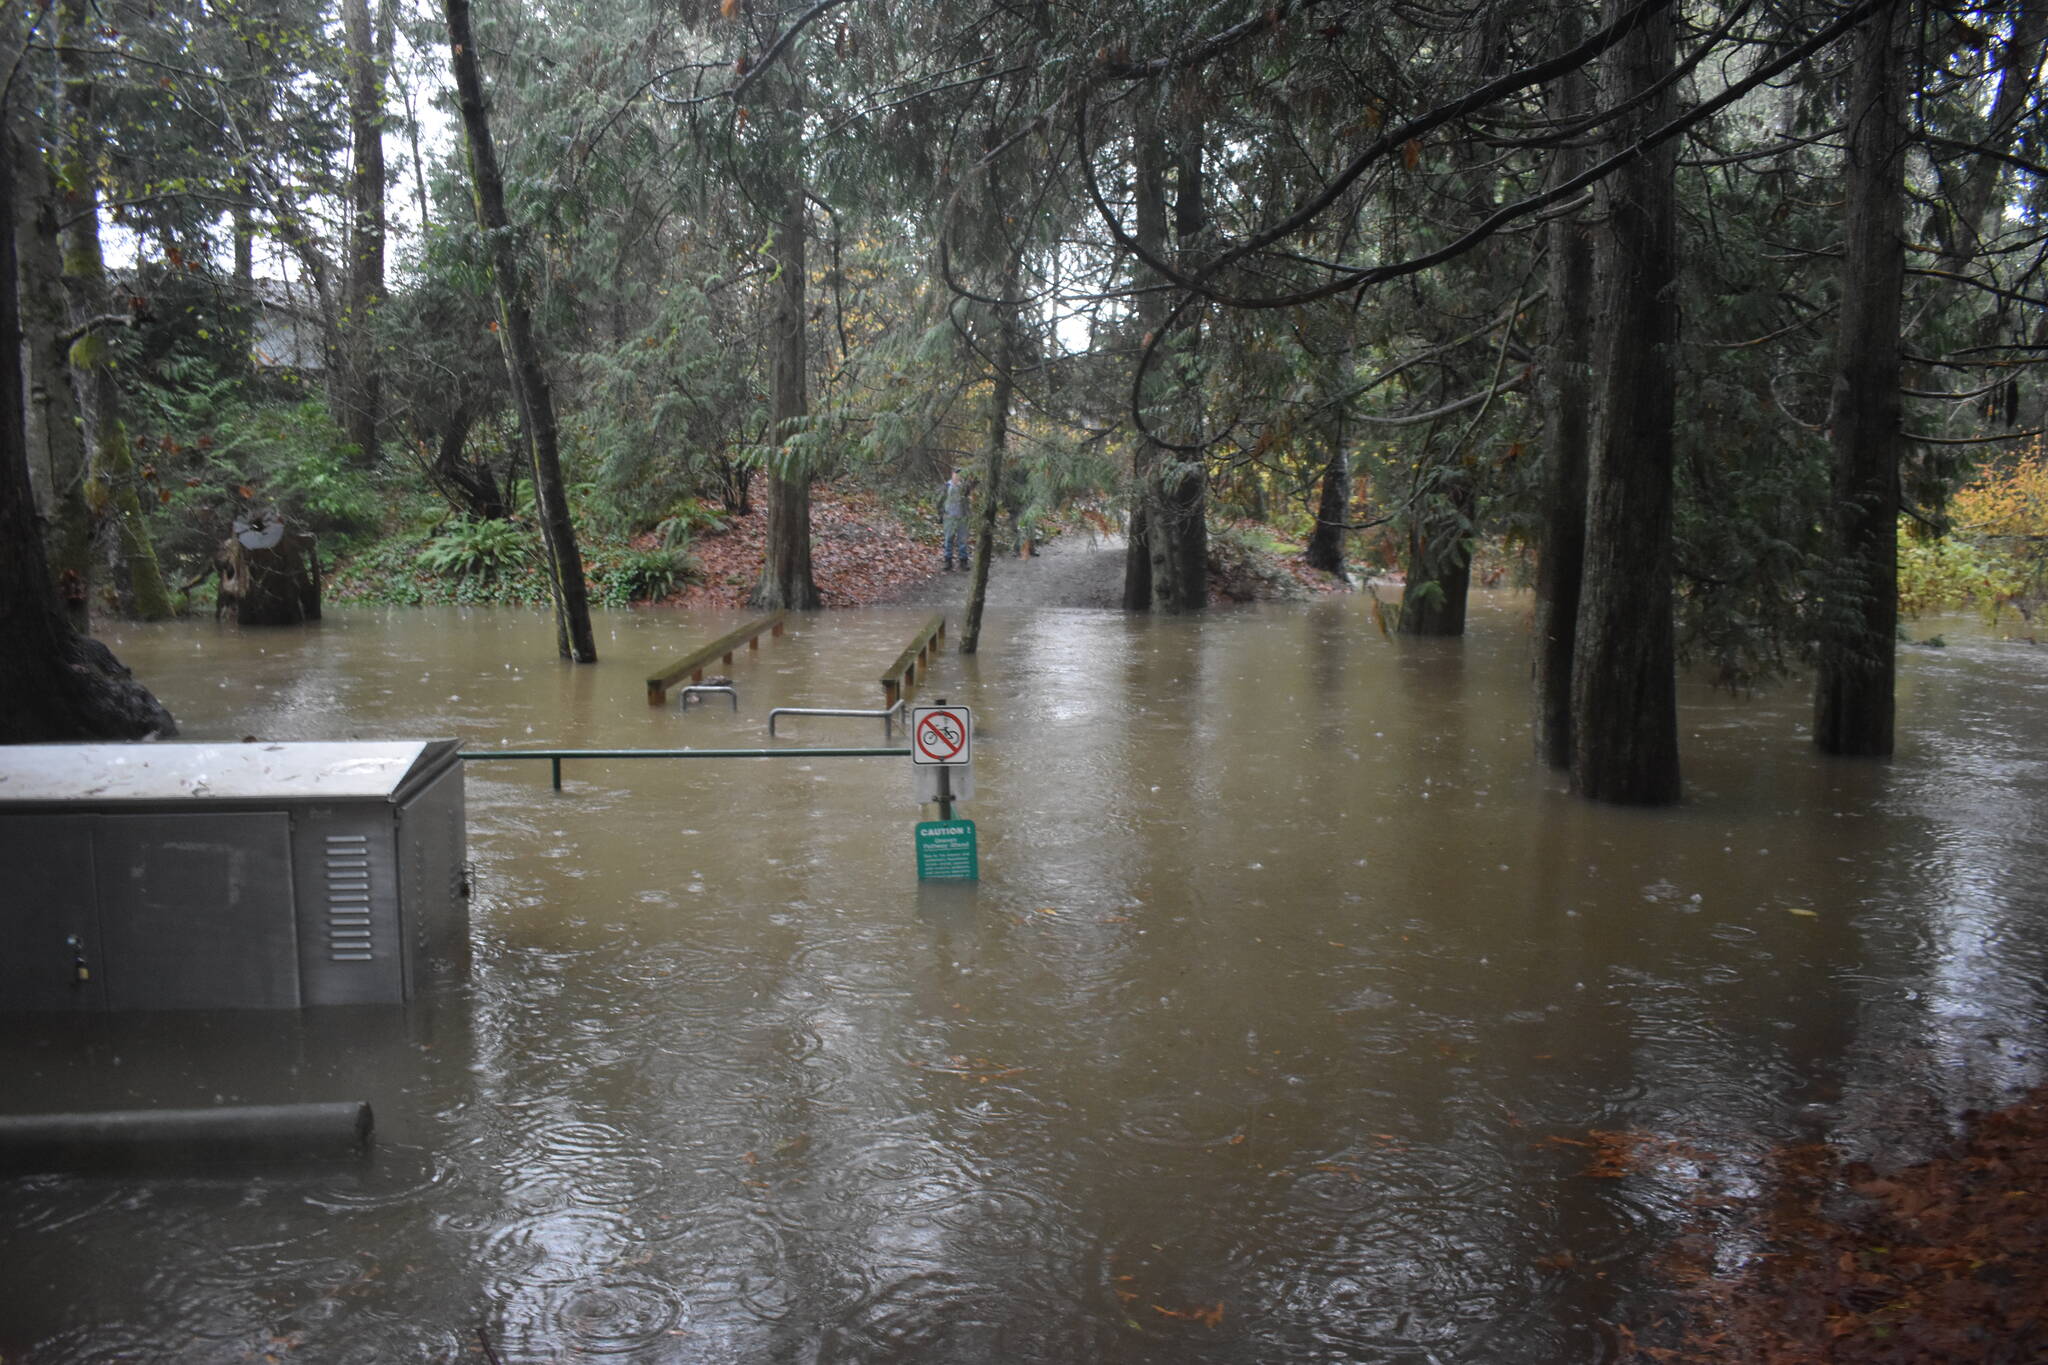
(705, 689)
(887, 717)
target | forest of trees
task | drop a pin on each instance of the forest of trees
(1703, 305)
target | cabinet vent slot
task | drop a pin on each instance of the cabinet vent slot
(349, 938)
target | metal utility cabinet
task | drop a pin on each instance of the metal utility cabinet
(224, 876)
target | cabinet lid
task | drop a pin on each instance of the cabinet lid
(109, 773)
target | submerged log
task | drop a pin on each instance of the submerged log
(269, 573)
(138, 1137)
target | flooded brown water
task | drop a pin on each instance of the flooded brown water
(1268, 1035)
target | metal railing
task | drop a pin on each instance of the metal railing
(557, 757)
(887, 716)
(698, 691)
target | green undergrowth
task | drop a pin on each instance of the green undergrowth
(503, 563)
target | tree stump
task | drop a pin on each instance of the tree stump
(269, 573)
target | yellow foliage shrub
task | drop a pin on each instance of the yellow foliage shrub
(1995, 555)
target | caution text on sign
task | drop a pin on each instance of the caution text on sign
(942, 736)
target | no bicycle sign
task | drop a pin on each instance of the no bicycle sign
(942, 736)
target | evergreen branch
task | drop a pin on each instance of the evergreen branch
(1413, 130)
(1452, 408)
(105, 322)
(753, 73)
(1979, 149)
(1973, 440)
(776, 48)
(1787, 330)
(1367, 276)
(1265, 21)
(2010, 295)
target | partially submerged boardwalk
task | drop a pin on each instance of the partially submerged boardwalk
(692, 665)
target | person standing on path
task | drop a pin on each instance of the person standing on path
(953, 507)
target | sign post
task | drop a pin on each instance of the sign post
(941, 748)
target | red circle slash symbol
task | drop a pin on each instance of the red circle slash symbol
(940, 736)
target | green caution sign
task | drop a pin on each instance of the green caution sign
(945, 850)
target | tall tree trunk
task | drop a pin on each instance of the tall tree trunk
(56, 443)
(1624, 687)
(1325, 549)
(573, 637)
(364, 397)
(786, 579)
(110, 481)
(245, 250)
(1439, 578)
(1002, 388)
(55, 684)
(1148, 173)
(1443, 529)
(1180, 502)
(1567, 402)
(1853, 695)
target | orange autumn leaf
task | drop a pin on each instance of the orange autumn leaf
(1208, 1317)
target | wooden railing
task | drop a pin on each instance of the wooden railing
(901, 679)
(692, 665)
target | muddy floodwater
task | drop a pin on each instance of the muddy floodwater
(1274, 1031)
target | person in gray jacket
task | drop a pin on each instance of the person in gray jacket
(953, 507)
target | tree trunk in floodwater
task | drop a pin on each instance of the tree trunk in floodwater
(1624, 683)
(1567, 402)
(786, 579)
(56, 443)
(1854, 697)
(1138, 559)
(55, 684)
(1002, 387)
(1439, 577)
(110, 491)
(1325, 548)
(1180, 501)
(269, 575)
(1148, 176)
(573, 637)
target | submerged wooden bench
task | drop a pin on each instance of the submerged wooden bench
(692, 665)
(901, 679)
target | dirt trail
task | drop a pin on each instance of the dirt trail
(1076, 570)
